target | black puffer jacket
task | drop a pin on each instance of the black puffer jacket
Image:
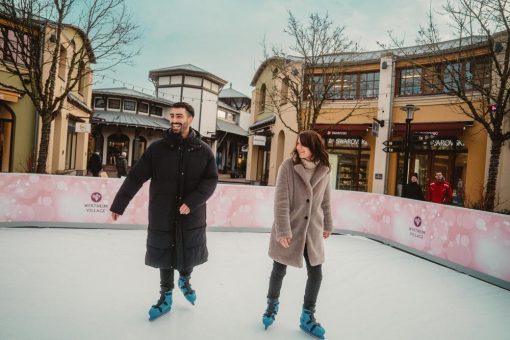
(181, 171)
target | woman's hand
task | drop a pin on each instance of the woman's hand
(285, 242)
(326, 234)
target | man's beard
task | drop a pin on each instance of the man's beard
(176, 128)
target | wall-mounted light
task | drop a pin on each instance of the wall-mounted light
(384, 65)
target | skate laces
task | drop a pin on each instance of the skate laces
(185, 285)
(272, 309)
(162, 300)
(311, 318)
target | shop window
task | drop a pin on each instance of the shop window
(369, 85)
(410, 82)
(352, 157)
(156, 111)
(143, 108)
(262, 99)
(284, 93)
(222, 114)
(6, 139)
(99, 103)
(62, 63)
(129, 105)
(114, 104)
(452, 77)
(72, 138)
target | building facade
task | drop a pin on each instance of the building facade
(198, 87)
(20, 124)
(232, 132)
(375, 86)
(125, 120)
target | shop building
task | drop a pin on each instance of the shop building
(377, 85)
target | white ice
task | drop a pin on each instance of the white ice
(92, 284)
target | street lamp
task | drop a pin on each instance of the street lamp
(409, 109)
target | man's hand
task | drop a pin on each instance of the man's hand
(326, 234)
(184, 209)
(285, 242)
(115, 216)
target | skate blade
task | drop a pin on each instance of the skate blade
(310, 334)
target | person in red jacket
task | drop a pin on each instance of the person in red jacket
(439, 191)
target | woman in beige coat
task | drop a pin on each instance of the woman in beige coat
(302, 220)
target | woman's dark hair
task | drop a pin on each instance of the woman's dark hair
(313, 141)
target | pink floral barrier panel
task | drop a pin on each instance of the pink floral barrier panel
(474, 242)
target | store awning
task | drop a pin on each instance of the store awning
(263, 123)
(130, 119)
(232, 128)
(446, 129)
(340, 130)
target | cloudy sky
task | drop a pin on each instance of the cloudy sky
(224, 36)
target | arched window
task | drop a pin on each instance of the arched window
(262, 99)
(6, 137)
(117, 143)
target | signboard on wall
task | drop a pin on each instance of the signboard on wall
(83, 127)
(259, 140)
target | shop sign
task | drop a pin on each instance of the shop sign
(259, 140)
(82, 127)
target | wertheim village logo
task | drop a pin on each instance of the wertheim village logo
(417, 231)
(96, 207)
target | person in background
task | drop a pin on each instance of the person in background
(122, 165)
(459, 194)
(439, 190)
(94, 164)
(413, 189)
(302, 221)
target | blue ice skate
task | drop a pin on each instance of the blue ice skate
(186, 289)
(162, 307)
(271, 311)
(308, 324)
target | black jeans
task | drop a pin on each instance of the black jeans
(167, 277)
(313, 283)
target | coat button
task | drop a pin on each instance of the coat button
(173, 245)
(306, 217)
(307, 200)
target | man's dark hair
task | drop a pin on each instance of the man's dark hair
(189, 109)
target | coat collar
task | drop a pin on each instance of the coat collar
(174, 140)
(318, 175)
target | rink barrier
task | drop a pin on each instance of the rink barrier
(470, 241)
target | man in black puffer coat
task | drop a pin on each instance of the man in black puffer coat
(183, 176)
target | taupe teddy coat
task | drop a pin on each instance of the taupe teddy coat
(302, 211)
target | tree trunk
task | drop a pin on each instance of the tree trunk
(44, 144)
(490, 190)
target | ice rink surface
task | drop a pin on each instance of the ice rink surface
(93, 284)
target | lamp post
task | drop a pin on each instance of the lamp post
(409, 109)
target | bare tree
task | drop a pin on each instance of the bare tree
(311, 72)
(473, 68)
(39, 45)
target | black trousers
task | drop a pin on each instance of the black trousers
(313, 283)
(167, 277)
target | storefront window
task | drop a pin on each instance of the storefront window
(6, 131)
(349, 157)
(72, 138)
(447, 155)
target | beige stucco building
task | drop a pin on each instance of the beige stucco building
(20, 125)
(375, 86)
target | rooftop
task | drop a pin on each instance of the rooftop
(126, 92)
